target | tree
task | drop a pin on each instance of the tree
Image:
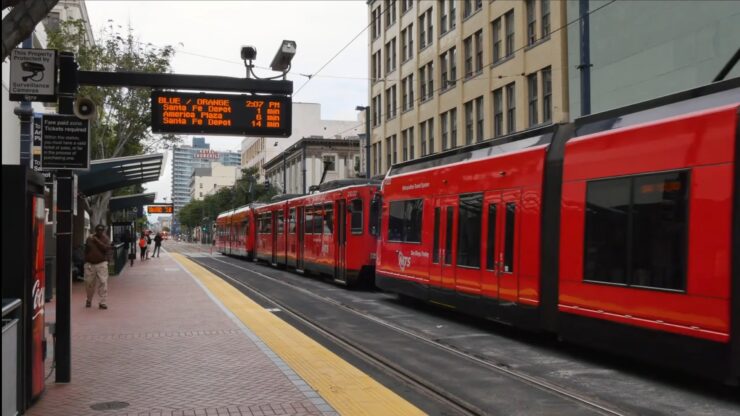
(22, 20)
(123, 126)
(166, 229)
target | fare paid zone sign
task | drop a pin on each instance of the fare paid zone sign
(226, 114)
(65, 142)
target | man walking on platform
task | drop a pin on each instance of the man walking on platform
(97, 252)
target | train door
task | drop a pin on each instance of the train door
(340, 263)
(300, 238)
(508, 212)
(442, 273)
(492, 239)
(275, 232)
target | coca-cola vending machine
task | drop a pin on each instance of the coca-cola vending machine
(23, 274)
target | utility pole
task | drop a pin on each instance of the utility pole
(585, 65)
(367, 138)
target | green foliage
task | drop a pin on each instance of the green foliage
(123, 124)
(166, 229)
(246, 190)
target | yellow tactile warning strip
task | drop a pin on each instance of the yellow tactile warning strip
(344, 387)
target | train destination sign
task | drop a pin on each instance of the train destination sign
(228, 114)
(159, 209)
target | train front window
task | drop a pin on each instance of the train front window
(356, 220)
(636, 230)
(374, 220)
(470, 217)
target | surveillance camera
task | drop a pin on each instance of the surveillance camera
(284, 55)
(249, 53)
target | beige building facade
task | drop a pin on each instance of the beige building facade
(448, 73)
(207, 180)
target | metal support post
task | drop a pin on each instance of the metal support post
(585, 65)
(63, 352)
(367, 142)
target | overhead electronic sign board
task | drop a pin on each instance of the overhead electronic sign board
(159, 209)
(226, 114)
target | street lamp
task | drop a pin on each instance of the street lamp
(366, 109)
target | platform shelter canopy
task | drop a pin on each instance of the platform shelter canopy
(109, 174)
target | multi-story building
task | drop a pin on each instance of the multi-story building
(186, 158)
(306, 119)
(448, 73)
(206, 180)
(642, 50)
(302, 165)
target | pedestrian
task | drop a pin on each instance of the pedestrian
(148, 243)
(98, 250)
(142, 246)
(157, 244)
(128, 240)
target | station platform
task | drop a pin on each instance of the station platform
(178, 340)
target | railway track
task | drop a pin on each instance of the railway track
(395, 369)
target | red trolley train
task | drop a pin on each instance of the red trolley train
(235, 232)
(620, 230)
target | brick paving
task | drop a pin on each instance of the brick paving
(165, 348)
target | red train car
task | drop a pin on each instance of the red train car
(235, 232)
(620, 230)
(330, 232)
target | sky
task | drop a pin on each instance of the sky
(208, 36)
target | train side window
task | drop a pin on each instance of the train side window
(404, 221)
(637, 229)
(435, 249)
(328, 219)
(308, 222)
(318, 219)
(470, 218)
(247, 226)
(356, 220)
(291, 221)
(280, 225)
(509, 237)
(491, 237)
(448, 235)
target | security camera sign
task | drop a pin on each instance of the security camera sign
(33, 75)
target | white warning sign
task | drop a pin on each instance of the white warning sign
(33, 75)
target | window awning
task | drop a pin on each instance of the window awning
(119, 203)
(109, 174)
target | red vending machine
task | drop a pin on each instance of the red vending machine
(23, 275)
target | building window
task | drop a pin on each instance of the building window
(511, 108)
(426, 81)
(329, 163)
(390, 56)
(423, 139)
(443, 17)
(388, 154)
(201, 185)
(636, 230)
(408, 92)
(390, 13)
(509, 20)
(531, 22)
(376, 23)
(426, 26)
(390, 103)
(406, 5)
(453, 128)
(468, 122)
(470, 219)
(407, 141)
(394, 145)
(478, 42)
(546, 95)
(479, 118)
(545, 12)
(377, 110)
(376, 66)
(430, 134)
(444, 127)
(496, 29)
(448, 74)
(532, 95)
(407, 42)
(498, 112)
(404, 221)
(468, 56)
